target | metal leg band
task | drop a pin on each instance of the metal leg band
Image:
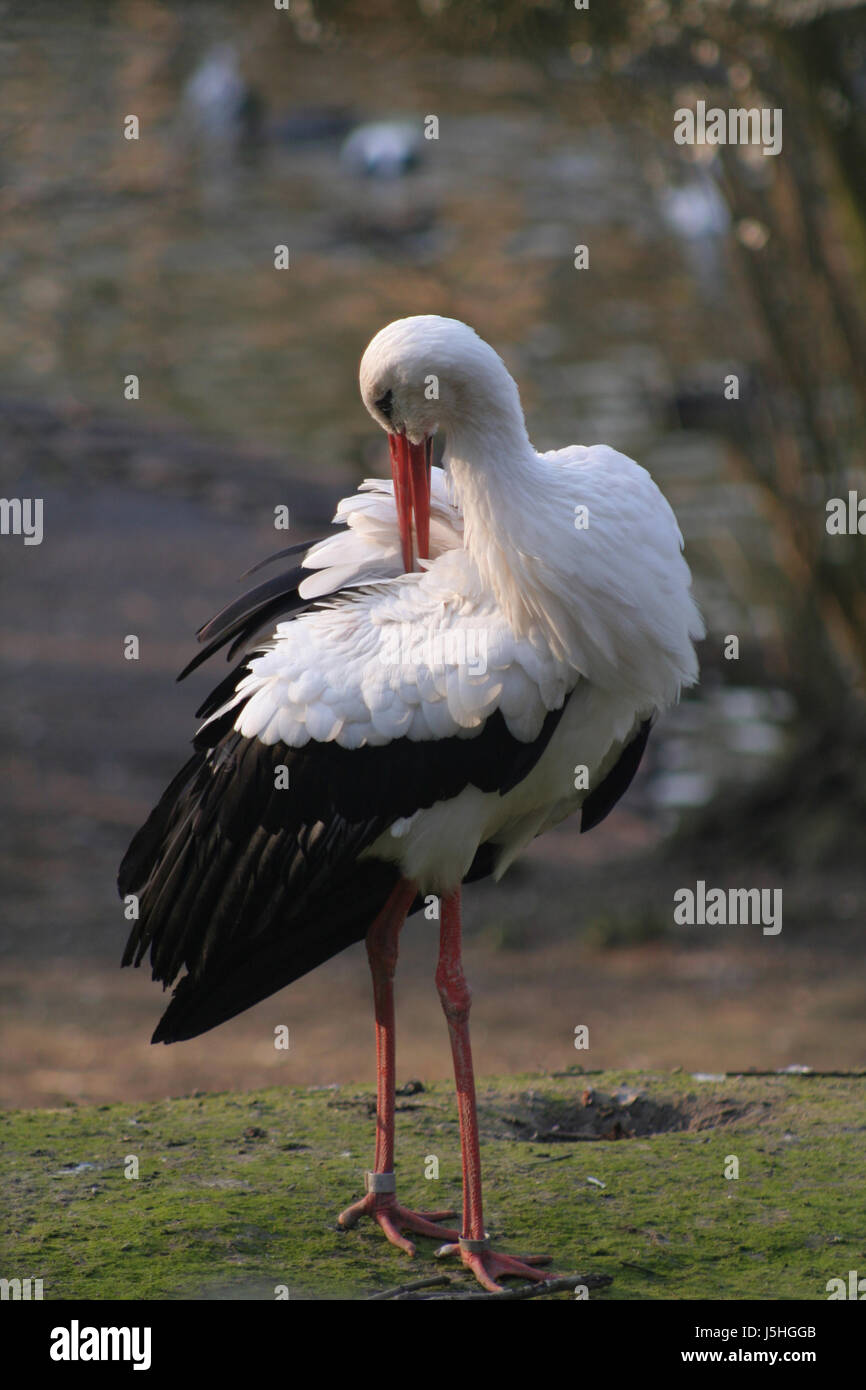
(474, 1247)
(380, 1182)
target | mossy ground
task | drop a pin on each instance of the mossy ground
(238, 1193)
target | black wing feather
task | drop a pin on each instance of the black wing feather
(247, 886)
(246, 615)
(604, 797)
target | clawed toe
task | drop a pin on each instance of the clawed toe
(489, 1265)
(381, 1204)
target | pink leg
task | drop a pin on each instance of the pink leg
(473, 1246)
(380, 1201)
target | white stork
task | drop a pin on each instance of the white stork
(428, 721)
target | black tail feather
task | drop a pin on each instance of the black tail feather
(248, 975)
(246, 615)
(148, 844)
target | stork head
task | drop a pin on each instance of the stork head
(421, 374)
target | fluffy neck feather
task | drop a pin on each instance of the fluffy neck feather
(510, 502)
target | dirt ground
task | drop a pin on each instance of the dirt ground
(77, 1029)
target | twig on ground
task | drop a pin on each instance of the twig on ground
(410, 1288)
(642, 1269)
(550, 1286)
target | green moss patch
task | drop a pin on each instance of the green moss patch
(237, 1195)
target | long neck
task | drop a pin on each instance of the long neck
(499, 482)
(497, 493)
(488, 454)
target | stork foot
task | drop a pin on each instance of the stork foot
(381, 1203)
(489, 1265)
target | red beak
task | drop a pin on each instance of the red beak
(410, 469)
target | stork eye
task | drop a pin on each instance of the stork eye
(385, 405)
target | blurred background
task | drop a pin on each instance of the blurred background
(155, 256)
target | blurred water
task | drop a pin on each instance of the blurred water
(156, 257)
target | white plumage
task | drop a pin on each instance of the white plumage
(548, 574)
